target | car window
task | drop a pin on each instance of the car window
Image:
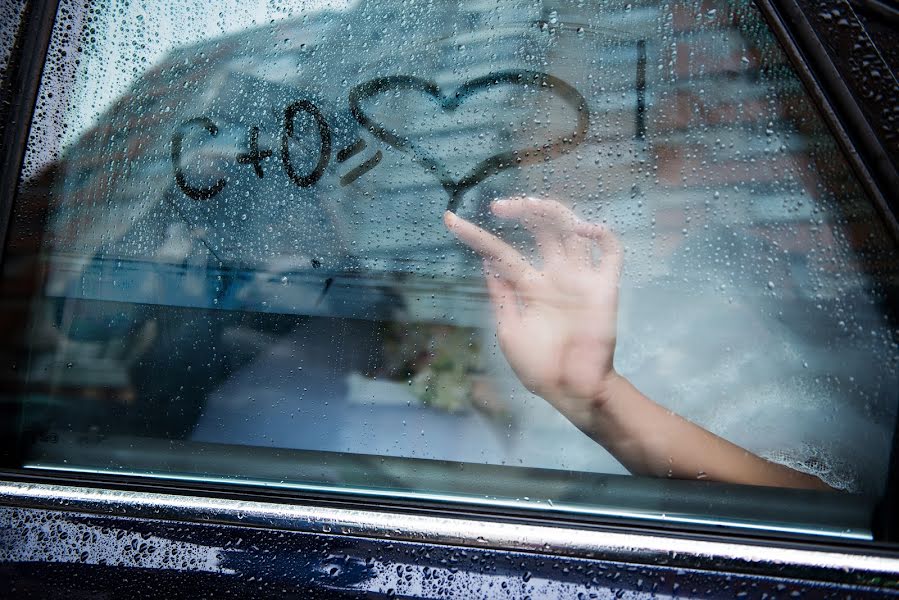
(11, 13)
(231, 260)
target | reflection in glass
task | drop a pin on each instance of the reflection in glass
(236, 235)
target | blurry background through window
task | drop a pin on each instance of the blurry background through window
(209, 246)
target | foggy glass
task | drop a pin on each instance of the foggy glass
(232, 217)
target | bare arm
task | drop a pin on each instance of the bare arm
(648, 439)
(557, 327)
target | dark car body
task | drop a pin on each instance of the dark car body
(65, 534)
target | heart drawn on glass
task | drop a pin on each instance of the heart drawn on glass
(493, 164)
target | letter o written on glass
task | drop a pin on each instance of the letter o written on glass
(324, 154)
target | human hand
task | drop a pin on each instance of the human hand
(556, 323)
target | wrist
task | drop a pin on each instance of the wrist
(588, 409)
(607, 390)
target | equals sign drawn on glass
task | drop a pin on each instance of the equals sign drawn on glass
(352, 150)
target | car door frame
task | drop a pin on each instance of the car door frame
(825, 62)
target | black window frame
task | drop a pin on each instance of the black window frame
(821, 54)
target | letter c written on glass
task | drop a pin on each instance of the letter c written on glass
(197, 193)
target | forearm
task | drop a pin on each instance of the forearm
(650, 440)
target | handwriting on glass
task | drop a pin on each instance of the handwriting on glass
(455, 189)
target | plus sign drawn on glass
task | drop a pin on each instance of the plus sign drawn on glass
(255, 156)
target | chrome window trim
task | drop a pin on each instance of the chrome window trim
(539, 508)
(770, 558)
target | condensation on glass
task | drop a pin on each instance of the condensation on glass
(230, 237)
(10, 16)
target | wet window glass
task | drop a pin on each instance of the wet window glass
(580, 257)
(10, 15)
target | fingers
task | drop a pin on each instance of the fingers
(502, 298)
(551, 223)
(555, 226)
(537, 211)
(612, 252)
(505, 260)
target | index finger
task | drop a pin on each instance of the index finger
(506, 259)
(612, 252)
